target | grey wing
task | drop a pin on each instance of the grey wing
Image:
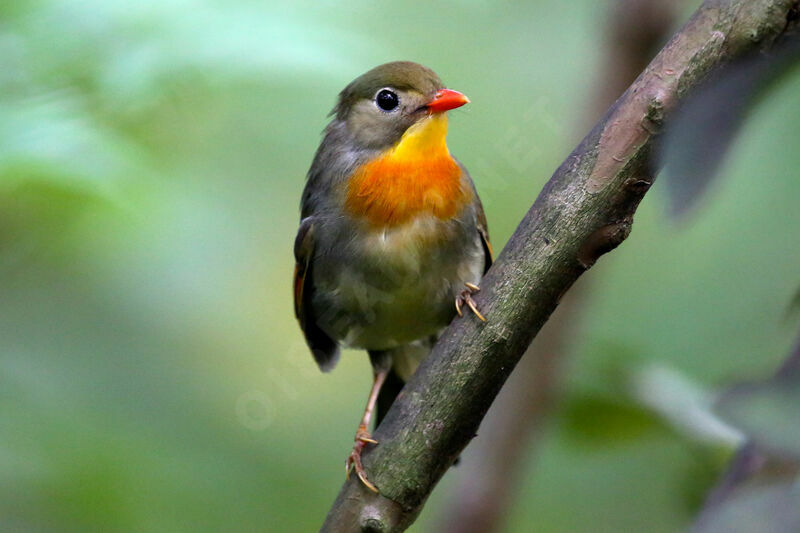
(483, 226)
(324, 349)
(483, 231)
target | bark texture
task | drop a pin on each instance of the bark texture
(489, 472)
(584, 211)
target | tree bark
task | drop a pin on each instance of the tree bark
(490, 471)
(488, 475)
(584, 211)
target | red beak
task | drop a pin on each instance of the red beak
(447, 99)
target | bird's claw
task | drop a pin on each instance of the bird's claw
(354, 460)
(362, 435)
(465, 297)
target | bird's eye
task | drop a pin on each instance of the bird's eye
(387, 100)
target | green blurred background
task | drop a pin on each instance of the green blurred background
(152, 155)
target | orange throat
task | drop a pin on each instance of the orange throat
(416, 176)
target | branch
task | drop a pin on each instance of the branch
(488, 476)
(635, 31)
(584, 211)
(489, 472)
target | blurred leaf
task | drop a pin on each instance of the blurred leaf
(54, 137)
(769, 413)
(127, 54)
(686, 405)
(702, 474)
(771, 509)
(703, 129)
(597, 420)
(35, 216)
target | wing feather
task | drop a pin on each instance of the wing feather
(324, 349)
(483, 231)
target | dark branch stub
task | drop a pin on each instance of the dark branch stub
(602, 241)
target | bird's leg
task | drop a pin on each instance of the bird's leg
(465, 297)
(363, 436)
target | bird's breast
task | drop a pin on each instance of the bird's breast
(391, 285)
(418, 176)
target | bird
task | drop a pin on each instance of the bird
(393, 239)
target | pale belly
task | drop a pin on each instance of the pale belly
(397, 285)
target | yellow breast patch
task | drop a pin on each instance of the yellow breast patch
(416, 176)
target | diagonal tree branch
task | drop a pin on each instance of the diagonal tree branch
(584, 211)
(489, 473)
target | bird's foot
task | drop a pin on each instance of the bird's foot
(465, 297)
(363, 438)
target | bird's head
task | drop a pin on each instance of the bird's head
(397, 100)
